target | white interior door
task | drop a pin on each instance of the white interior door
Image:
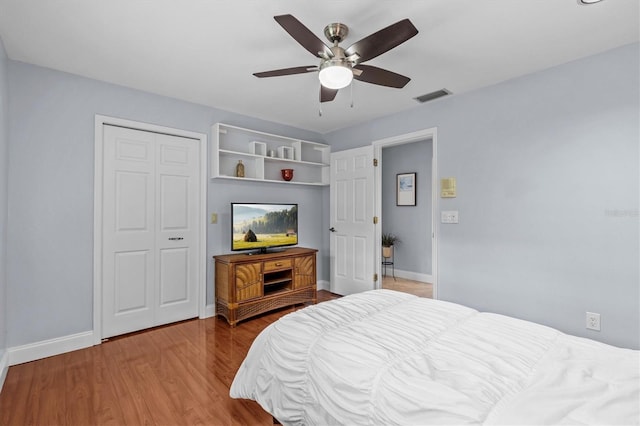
(352, 210)
(177, 201)
(151, 194)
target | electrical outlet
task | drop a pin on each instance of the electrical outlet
(593, 321)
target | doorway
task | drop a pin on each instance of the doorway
(414, 265)
(149, 227)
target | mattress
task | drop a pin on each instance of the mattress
(389, 358)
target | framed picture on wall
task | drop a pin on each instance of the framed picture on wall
(406, 189)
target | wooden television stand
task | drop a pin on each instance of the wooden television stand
(249, 285)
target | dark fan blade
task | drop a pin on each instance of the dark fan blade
(380, 76)
(302, 35)
(382, 41)
(327, 95)
(286, 71)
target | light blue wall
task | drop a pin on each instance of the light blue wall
(4, 166)
(547, 169)
(50, 235)
(548, 186)
(411, 224)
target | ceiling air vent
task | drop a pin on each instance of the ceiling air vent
(433, 95)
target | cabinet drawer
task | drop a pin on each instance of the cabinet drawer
(275, 265)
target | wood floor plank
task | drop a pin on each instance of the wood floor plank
(47, 408)
(18, 383)
(108, 407)
(77, 366)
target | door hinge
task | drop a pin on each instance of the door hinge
(375, 278)
(375, 162)
(375, 220)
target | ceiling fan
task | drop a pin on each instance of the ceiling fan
(339, 66)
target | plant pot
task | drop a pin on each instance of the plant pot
(387, 251)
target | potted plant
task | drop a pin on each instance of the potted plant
(388, 240)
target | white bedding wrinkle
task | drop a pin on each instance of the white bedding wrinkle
(389, 358)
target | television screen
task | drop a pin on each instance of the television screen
(261, 226)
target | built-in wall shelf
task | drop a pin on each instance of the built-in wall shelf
(264, 155)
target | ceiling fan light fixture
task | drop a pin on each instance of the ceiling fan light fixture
(338, 67)
(587, 2)
(335, 75)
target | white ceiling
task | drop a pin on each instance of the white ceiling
(206, 51)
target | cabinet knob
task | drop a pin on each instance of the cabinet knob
(332, 229)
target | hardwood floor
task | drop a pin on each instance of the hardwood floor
(178, 374)
(408, 286)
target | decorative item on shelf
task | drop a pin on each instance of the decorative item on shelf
(388, 240)
(271, 153)
(239, 169)
(286, 152)
(258, 148)
(287, 174)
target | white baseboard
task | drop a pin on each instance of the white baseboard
(4, 367)
(51, 347)
(415, 276)
(323, 285)
(209, 311)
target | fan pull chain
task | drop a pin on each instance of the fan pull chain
(351, 93)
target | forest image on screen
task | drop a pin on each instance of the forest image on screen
(256, 226)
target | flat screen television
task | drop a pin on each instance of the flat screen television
(263, 226)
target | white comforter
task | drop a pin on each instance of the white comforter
(385, 358)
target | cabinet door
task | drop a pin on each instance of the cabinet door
(305, 272)
(248, 281)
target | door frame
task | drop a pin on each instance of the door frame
(100, 122)
(420, 135)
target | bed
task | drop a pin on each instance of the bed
(388, 358)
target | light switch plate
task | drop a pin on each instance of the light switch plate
(449, 216)
(214, 218)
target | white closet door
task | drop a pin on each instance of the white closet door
(177, 189)
(150, 245)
